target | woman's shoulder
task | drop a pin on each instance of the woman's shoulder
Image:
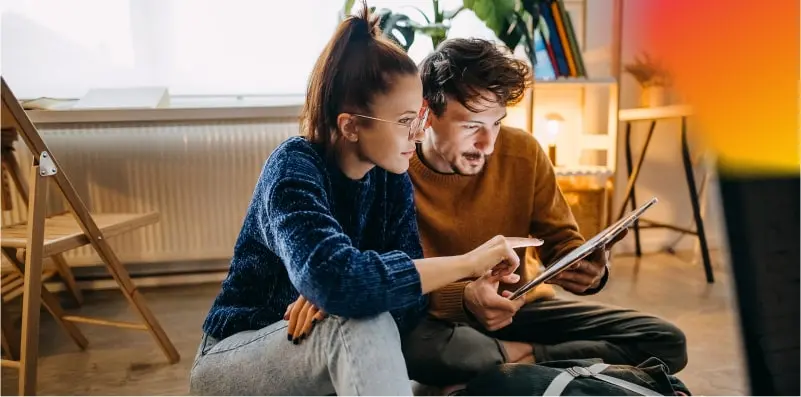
(295, 150)
(295, 159)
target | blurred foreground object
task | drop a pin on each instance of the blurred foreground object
(762, 220)
(737, 65)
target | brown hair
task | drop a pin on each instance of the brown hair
(465, 69)
(357, 64)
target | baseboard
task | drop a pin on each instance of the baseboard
(152, 281)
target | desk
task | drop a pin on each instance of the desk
(630, 116)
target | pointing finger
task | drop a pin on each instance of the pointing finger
(520, 242)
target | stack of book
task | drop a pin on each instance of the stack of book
(557, 49)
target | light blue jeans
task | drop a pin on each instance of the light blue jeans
(342, 356)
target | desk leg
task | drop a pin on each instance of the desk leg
(699, 222)
(630, 195)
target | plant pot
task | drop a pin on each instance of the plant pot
(653, 96)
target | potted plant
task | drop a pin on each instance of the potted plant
(652, 77)
(510, 20)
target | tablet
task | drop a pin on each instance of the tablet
(598, 241)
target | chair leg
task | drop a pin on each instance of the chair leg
(50, 303)
(10, 334)
(699, 221)
(32, 297)
(63, 269)
(138, 301)
(634, 173)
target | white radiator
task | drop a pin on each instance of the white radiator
(199, 175)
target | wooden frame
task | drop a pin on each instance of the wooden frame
(10, 165)
(38, 241)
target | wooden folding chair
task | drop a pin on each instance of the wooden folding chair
(40, 237)
(12, 169)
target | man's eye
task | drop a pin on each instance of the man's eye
(406, 120)
(497, 123)
(471, 126)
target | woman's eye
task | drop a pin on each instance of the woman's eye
(471, 126)
(497, 123)
(406, 120)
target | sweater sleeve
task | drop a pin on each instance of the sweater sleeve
(321, 261)
(447, 303)
(552, 220)
(402, 231)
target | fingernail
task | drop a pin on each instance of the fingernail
(295, 341)
(314, 321)
(288, 337)
(303, 337)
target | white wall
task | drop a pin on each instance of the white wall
(662, 174)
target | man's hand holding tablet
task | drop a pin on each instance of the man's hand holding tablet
(586, 275)
(585, 260)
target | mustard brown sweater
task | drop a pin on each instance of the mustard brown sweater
(515, 195)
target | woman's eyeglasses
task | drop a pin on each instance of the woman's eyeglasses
(416, 127)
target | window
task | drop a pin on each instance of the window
(62, 49)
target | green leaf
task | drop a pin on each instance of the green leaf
(397, 27)
(346, 10)
(494, 13)
(510, 35)
(448, 15)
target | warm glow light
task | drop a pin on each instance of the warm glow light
(553, 123)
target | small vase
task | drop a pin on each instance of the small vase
(653, 96)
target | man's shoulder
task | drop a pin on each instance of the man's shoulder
(517, 143)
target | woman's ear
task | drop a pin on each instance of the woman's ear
(348, 128)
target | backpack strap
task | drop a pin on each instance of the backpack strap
(560, 382)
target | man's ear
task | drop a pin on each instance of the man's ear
(347, 126)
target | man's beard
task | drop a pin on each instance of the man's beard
(471, 156)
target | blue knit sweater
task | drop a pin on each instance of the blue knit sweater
(345, 245)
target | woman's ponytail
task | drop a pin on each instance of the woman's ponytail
(356, 64)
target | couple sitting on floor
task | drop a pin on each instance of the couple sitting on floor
(373, 251)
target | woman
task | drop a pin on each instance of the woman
(332, 219)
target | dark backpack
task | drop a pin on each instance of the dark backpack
(590, 377)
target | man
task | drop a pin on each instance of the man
(473, 179)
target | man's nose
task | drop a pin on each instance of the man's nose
(485, 141)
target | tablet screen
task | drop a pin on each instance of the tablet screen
(584, 250)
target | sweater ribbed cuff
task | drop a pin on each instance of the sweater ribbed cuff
(405, 285)
(447, 303)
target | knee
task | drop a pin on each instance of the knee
(382, 324)
(198, 381)
(672, 346)
(440, 354)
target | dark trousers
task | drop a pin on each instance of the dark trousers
(440, 353)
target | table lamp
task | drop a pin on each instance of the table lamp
(553, 125)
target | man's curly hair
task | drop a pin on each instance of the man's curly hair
(468, 70)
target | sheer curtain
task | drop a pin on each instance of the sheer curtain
(62, 48)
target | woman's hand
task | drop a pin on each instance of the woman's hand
(302, 315)
(498, 255)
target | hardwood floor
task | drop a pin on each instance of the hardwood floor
(120, 362)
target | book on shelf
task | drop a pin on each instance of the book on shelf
(557, 49)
